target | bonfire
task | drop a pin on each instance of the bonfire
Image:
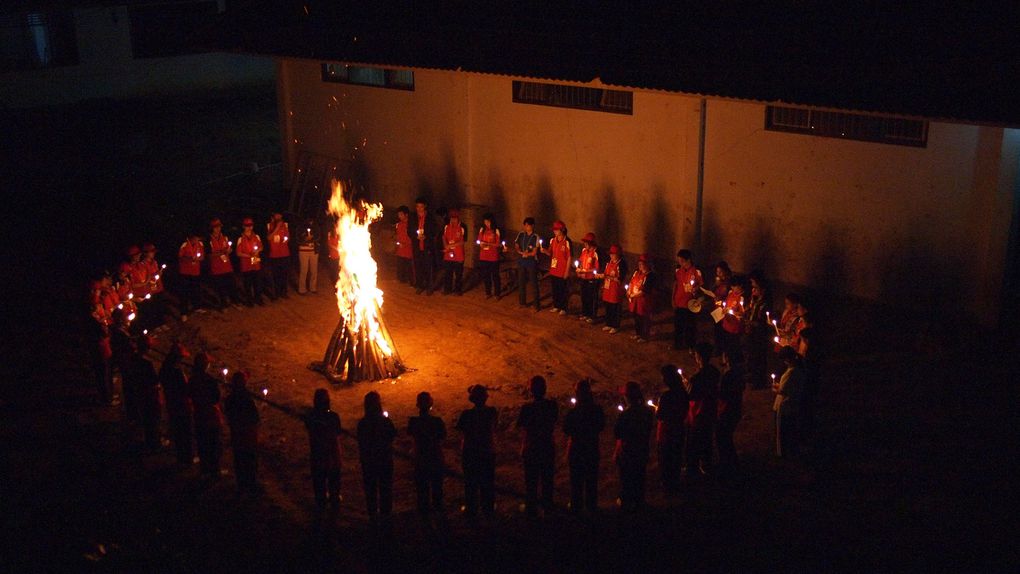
(360, 348)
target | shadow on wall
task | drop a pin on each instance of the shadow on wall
(761, 252)
(496, 200)
(713, 246)
(543, 208)
(661, 234)
(453, 191)
(608, 221)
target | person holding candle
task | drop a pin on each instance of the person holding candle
(375, 449)
(323, 426)
(221, 269)
(308, 258)
(454, 237)
(278, 237)
(537, 420)
(757, 331)
(402, 240)
(640, 299)
(582, 425)
(587, 272)
(478, 425)
(789, 323)
(423, 226)
(490, 245)
(633, 431)
(671, 430)
(687, 286)
(249, 254)
(189, 261)
(243, 419)
(559, 252)
(723, 277)
(733, 321)
(428, 432)
(527, 245)
(701, 411)
(613, 292)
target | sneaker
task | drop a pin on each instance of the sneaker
(606, 328)
(562, 312)
(589, 320)
(554, 310)
(612, 331)
(640, 340)
(633, 336)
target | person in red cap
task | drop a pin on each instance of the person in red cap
(124, 293)
(405, 271)
(278, 237)
(189, 261)
(221, 268)
(153, 270)
(687, 286)
(559, 252)
(249, 254)
(587, 266)
(454, 237)
(640, 299)
(490, 245)
(139, 276)
(612, 288)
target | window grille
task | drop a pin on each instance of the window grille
(368, 76)
(577, 97)
(847, 126)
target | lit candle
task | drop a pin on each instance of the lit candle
(131, 295)
(148, 296)
(386, 414)
(478, 241)
(145, 331)
(230, 244)
(163, 266)
(120, 306)
(776, 339)
(573, 401)
(265, 392)
(131, 317)
(680, 372)
(619, 408)
(651, 404)
(285, 238)
(225, 371)
(577, 263)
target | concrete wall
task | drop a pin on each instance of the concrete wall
(106, 68)
(926, 228)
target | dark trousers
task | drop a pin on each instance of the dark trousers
(613, 315)
(643, 326)
(724, 440)
(207, 441)
(103, 374)
(191, 295)
(326, 484)
(699, 446)
(729, 343)
(538, 469)
(405, 272)
(684, 328)
(378, 483)
(428, 484)
(479, 483)
(632, 483)
(245, 469)
(279, 267)
(490, 276)
(150, 411)
(560, 293)
(528, 274)
(671, 460)
(453, 276)
(584, 480)
(226, 288)
(589, 298)
(252, 281)
(423, 270)
(180, 431)
(787, 435)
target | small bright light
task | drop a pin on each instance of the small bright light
(478, 241)
(776, 339)
(145, 331)
(148, 296)
(163, 266)
(650, 403)
(573, 401)
(157, 277)
(131, 296)
(619, 408)
(131, 317)
(225, 371)
(120, 306)
(680, 372)
(230, 244)
(577, 263)
(386, 414)
(285, 238)
(265, 392)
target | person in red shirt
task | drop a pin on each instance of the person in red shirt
(490, 245)
(640, 299)
(139, 276)
(249, 254)
(221, 268)
(587, 268)
(124, 293)
(559, 252)
(613, 291)
(153, 270)
(278, 237)
(723, 276)
(733, 321)
(189, 262)
(99, 340)
(687, 287)
(454, 236)
(405, 270)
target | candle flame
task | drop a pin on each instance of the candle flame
(619, 408)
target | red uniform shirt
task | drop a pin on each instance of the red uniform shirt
(403, 241)
(109, 299)
(559, 254)
(612, 284)
(139, 279)
(453, 242)
(189, 258)
(732, 321)
(219, 261)
(688, 283)
(640, 303)
(126, 296)
(154, 274)
(249, 252)
(279, 240)
(588, 263)
(489, 241)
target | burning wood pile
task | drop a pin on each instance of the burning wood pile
(360, 348)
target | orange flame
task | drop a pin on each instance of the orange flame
(357, 296)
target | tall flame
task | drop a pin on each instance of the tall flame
(357, 296)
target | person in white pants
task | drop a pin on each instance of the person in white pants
(308, 258)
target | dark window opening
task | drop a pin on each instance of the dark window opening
(164, 30)
(368, 76)
(37, 40)
(577, 97)
(847, 126)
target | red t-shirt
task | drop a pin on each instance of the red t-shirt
(688, 282)
(219, 263)
(559, 254)
(189, 258)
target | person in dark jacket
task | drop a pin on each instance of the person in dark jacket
(375, 448)
(422, 228)
(670, 432)
(149, 397)
(633, 433)
(701, 412)
(243, 418)
(582, 425)
(178, 403)
(324, 450)
(537, 420)
(478, 426)
(428, 432)
(730, 404)
(204, 391)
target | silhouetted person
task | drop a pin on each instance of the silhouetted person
(731, 399)
(149, 404)
(701, 412)
(178, 403)
(538, 420)
(671, 430)
(633, 433)
(324, 449)
(428, 432)
(204, 390)
(787, 405)
(375, 448)
(243, 418)
(122, 349)
(478, 425)
(582, 425)
(810, 363)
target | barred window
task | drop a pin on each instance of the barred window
(368, 76)
(577, 97)
(847, 126)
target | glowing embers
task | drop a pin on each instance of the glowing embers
(360, 348)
